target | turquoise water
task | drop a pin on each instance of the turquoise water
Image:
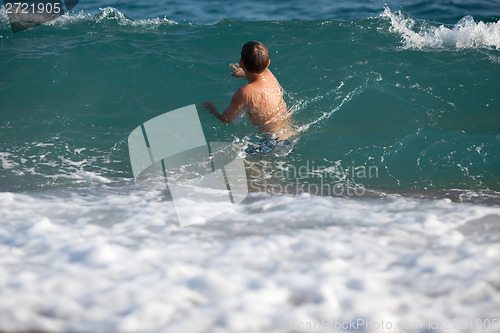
(204, 12)
(413, 100)
(386, 211)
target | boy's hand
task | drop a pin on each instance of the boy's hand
(236, 70)
(209, 106)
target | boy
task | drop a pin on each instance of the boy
(262, 97)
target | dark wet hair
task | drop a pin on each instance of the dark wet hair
(255, 56)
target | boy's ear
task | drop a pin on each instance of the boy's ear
(268, 62)
(241, 63)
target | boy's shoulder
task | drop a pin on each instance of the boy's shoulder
(245, 91)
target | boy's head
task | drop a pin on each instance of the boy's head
(255, 57)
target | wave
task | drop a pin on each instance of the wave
(415, 33)
(465, 34)
(358, 95)
(110, 13)
(107, 14)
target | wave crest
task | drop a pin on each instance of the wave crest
(466, 34)
(110, 13)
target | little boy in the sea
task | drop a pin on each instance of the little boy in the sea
(262, 97)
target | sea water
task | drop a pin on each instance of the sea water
(384, 217)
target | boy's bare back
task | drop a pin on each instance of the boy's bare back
(262, 97)
(266, 107)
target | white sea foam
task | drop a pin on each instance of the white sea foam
(467, 33)
(6, 162)
(110, 13)
(113, 258)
